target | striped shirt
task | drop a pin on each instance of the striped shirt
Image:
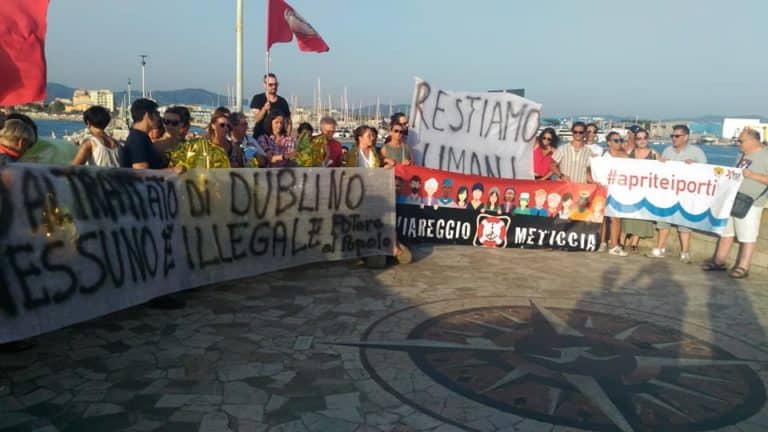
(572, 162)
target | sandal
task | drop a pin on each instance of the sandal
(738, 273)
(711, 265)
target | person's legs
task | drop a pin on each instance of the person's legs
(661, 240)
(685, 241)
(615, 232)
(721, 251)
(720, 254)
(747, 230)
(746, 252)
(603, 230)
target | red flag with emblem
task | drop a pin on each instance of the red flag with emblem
(23, 25)
(283, 22)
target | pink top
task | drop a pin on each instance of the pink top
(541, 163)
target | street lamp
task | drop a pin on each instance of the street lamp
(143, 67)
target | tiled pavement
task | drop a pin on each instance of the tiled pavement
(519, 341)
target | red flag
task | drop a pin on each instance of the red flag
(283, 22)
(23, 25)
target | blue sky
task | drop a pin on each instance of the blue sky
(653, 58)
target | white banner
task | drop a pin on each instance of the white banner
(485, 134)
(698, 196)
(78, 242)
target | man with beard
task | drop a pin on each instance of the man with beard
(508, 205)
(414, 197)
(268, 102)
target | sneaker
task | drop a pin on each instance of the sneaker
(685, 257)
(656, 253)
(617, 251)
(603, 247)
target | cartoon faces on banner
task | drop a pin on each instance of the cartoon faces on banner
(497, 197)
(443, 207)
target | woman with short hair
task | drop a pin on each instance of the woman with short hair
(98, 148)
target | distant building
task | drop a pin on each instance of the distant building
(732, 127)
(84, 99)
(104, 98)
(663, 129)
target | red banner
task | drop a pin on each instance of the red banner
(284, 22)
(433, 188)
(23, 25)
(443, 207)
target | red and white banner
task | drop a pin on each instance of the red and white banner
(698, 196)
(284, 22)
(23, 25)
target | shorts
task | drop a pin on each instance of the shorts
(664, 225)
(746, 229)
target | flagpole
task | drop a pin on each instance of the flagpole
(239, 37)
(266, 62)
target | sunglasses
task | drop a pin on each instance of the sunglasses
(397, 131)
(271, 84)
(578, 132)
(173, 123)
(676, 136)
(224, 125)
(617, 140)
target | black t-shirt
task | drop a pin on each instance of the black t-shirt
(258, 101)
(139, 148)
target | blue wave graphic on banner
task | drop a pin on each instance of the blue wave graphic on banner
(668, 212)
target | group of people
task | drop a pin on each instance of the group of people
(571, 162)
(161, 142)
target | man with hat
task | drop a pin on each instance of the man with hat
(525, 197)
(446, 199)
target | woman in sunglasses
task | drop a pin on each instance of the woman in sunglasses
(546, 143)
(635, 228)
(277, 142)
(397, 151)
(613, 224)
(214, 150)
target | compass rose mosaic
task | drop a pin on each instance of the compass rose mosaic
(481, 364)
